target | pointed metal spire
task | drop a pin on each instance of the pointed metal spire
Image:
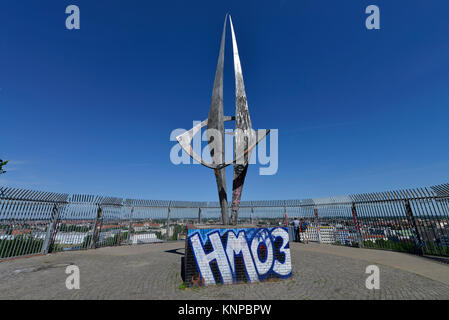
(242, 119)
(243, 133)
(215, 130)
(215, 119)
(245, 138)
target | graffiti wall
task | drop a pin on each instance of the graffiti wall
(232, 255)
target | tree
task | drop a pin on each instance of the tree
(2, 163)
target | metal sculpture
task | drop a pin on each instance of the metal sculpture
(245, 137)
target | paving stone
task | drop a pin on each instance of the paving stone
(153, 271)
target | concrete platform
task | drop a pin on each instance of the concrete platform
(152, 271)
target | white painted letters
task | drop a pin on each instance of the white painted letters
(373, 20)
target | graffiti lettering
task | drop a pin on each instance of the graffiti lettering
(203, 260)
(262, 245)
(234, 255)
(239, 246)
(282, 269)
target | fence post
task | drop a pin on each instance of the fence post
(51, 231)
(315, 210)
(412, 221)
(252, 215)
(119, 233)
(199, 215)
(168, 224)
(93, 244)
(356, 224)
(285, 216)
(130, 225)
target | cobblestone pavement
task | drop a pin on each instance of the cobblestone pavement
(153, 272)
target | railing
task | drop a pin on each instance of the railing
(34, 222)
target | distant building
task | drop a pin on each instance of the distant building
(181, 236)
(327, 234)
(144, 238)
(70, 237)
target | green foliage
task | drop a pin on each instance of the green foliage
(2, 163)
(110, 241)
(113, 241)
(124, 236)
(431, 248)
(159, 235)
(19, 246)
(86, 242)
(72, 228)
(401, 246)
(177, 229)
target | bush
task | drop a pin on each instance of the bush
(20, 246)
(72, 228)
(86, 242)
(402, 246)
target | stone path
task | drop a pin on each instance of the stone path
(153, 272)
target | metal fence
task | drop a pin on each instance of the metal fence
(34, 222)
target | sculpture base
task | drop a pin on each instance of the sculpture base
(235, 254)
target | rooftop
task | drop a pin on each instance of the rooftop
(152, 271)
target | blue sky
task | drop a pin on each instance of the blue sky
(91, 110)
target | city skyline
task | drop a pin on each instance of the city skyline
(91, 110)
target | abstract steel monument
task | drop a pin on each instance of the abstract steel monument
(245, 137)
